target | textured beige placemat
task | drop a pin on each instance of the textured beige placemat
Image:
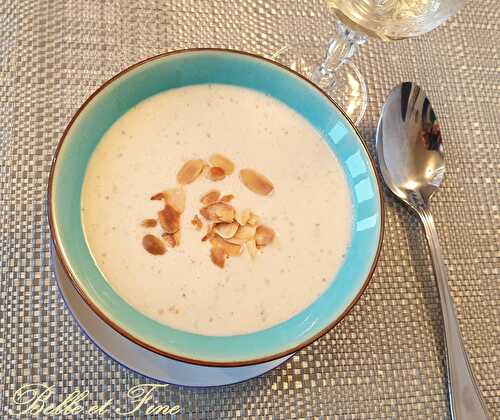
(386, 358)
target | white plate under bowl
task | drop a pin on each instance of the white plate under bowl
(143, 361)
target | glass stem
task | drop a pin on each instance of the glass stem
(340, 50)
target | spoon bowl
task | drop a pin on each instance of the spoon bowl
(409, 145)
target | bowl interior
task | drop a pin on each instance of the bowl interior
(193, 67)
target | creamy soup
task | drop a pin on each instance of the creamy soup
(309, 210)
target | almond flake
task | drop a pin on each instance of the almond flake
(175, 197)
(190, 171)
(226, 214)
(172, 239)
(218, 212)
(210, 197)
(227, 198)
(169, 219)
(157, 196)
(254, 220)
(153, 245)
(216, 174)
(226, 230)
(245, 233)
(242, 216)
(252, 248)
(236, 241)
(209, 235)
(218, 256)
(256, 182)
(222, 162)
(264, 235)
(177, 237)
(148, 223)
(196, 222)
(232, 250)
(169, 239)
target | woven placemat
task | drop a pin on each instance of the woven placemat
(386, 358)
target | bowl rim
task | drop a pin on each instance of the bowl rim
(87, 299)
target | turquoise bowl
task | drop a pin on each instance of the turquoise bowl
(192, 67)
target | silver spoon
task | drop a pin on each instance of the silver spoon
(410, 154)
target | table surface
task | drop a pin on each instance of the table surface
(386, 359)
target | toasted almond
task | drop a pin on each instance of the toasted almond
(226, 214)
(226, 230)
(216, 174)
(190, 171)
(169, 219)
(169, 239)
(177, 237)
(242, 216)
(254, 220)
(222, 162)
(157, 196)
(210, 197)
(227, 198)
(218, 256)
(232, 250)
(236, 241)
(209, 235)
(153, 245)
(245, 233)
(175, 197)
(148, 223)
(218, 212)
(196, 222)
(205, 170)
(256, 182)
(264, 235)
(252, 248)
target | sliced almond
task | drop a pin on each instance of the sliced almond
(226, 230)
(175, 197)
(254, 220)
(190, 171)
(232, 250)
(172, 239)
(196, 222)
(218, 256)
(245, 233)
(236, 241)
(256, 182)
(169, 218)
(177, 238)
(226, 214)
(223, 162)
(218, 212)
(149, 223)
(153, 245)
(169, 239)
(209, 235)
(227, 198)
(216, 174)
(264, 235)
(205, 170)
(242, 216)
(157, 196)
(210, 197)
(252, 248)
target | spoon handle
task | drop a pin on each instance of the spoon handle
(464, 396)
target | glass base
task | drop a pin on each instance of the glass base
(345, 85)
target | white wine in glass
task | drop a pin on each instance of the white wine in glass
(393, 19)
(355, 21)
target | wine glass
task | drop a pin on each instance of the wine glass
(355, 21)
